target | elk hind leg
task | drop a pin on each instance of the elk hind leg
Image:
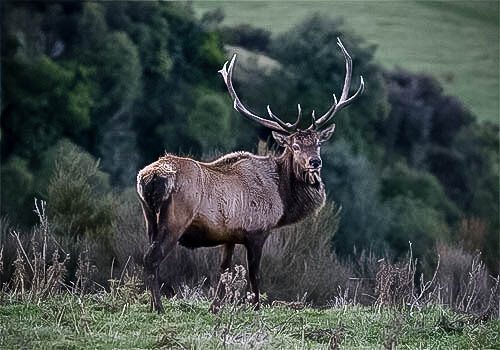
(166, 239)
(148, 270)
(154, 194)
(254, 254)
(151, 259)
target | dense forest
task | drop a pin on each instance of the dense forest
(92, 92)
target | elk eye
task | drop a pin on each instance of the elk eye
(296, 147)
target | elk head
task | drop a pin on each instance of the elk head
(305, 144)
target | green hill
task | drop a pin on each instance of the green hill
(456, 41)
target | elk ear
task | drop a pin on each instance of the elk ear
(281, 139)
(326, 134)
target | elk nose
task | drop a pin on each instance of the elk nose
(315, 162)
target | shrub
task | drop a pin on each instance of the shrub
(421, 116)
(129, 238)
(297, 260)
(247, 36)
(354, 184)
(401, 180)
(465, 281)
(411, 220)
(80, 202)
(16, 187)
(207, 131)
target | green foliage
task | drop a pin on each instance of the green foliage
(17, 186)
(149, 31)
(354, 184)
(247, 36)
(209, 131)
(78, 195)
(210, 50)
(385, 212)
(479, 172)
(422, 118)
(411, 220)
(118, 71)
(399, 180)
(91, 26)
(43, 99)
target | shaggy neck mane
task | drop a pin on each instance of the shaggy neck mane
(300, 198)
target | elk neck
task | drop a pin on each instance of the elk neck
(300, 199)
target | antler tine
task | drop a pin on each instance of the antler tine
(299, 116)
(227, 75)
(348, 71)
(344, 100)
(287, 126)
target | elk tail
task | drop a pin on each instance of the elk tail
(154, 186)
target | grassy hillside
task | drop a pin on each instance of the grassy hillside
(456, 41)
(103, 322)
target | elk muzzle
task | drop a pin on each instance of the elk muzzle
(315, 162)
(312, 174)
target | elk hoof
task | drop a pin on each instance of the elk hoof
(160, 310)
(158, 307)
(215, 308)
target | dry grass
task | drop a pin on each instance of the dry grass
(465, 283)
(298, 270)
(39, 267)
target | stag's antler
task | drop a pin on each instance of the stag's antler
(277, 124)
(344, 100)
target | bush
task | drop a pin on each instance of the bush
(80, 202)
(399, 180)
(297, 263)
(297, 260)
(353, 183)
(410, 220)
(465, 283)
(210, 122)
(38, 262)
(247, 36)
(129, 238)
(421, 116)
(16, 185)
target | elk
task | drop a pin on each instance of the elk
(240, 197)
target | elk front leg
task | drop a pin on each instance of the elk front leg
(227, 255)
(254, 254)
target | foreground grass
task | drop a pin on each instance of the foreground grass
(456, 41)
(102, 322)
